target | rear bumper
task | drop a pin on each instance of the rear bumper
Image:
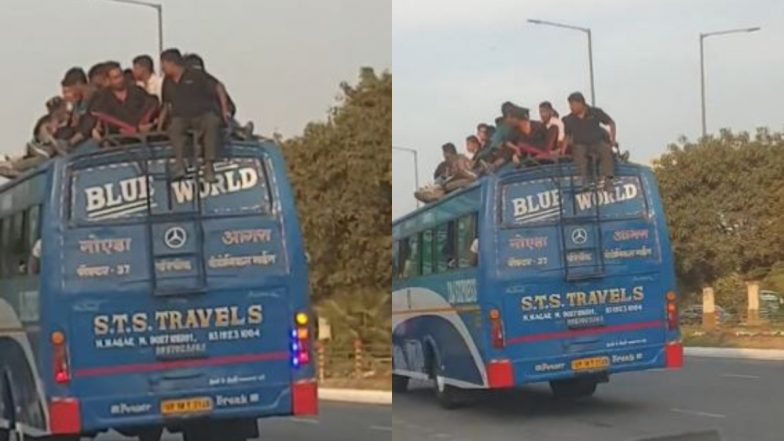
(102, 413)
(506, 373)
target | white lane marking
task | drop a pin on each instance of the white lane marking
(749, 377)
(698, 413)
(381, 428)
(305, 420)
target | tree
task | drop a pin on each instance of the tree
(723, 198)
(342, 178)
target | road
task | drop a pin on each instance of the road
(727, 400)
(336, 422)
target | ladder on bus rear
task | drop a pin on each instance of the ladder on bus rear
(168, 215)
(580, 234)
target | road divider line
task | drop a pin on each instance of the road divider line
(381, 428)
(748, 377)
(356, 396)
(739, 353)
(305, 420)
(698, 413)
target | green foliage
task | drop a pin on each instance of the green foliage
(724, 198)
(730, 292)
(342, 178)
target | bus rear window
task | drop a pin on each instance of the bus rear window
(539, 201)
(119, 192)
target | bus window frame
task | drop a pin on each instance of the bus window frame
(403, 248)
(266, 168)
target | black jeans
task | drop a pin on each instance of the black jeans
(601, 150)
(209, 126)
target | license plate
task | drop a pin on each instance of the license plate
(190, 405)
(584, 364)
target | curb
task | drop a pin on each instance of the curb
(742, 353)
(356, 396)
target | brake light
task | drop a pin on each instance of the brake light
(300, 348)
(62, 372)
(496, 329)
(672, 311)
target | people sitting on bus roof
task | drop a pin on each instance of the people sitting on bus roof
(458, 174)
(97, 75)
(471, 146)
(145, 77)
(483, 134)
(123, 108)
(527, 139)
(583, 127)
(128, 75)
(495, 156)
(189, 100)
(49, 139)
(78, 93)
(552, 121)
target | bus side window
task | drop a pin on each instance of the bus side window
(19, 248)
(402, 257)
(33, 240)
(466, 241)
(411, 265)
(395, 258)
(7, 262)
(427, 252)
(445, 247)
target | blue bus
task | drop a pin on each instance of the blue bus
(526, 277)
(134, 302)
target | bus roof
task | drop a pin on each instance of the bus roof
(506, 172)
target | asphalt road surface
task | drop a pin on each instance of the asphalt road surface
(710, 399)
(336, 422)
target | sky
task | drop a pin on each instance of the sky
(281, 60)
(456, 62)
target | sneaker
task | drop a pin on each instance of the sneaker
(178, 172)
(209, 173)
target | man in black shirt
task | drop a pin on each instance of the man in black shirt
(189, 97)
(527, 138)
(587, 137)
(122, 107)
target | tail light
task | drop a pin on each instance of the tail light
(672, 312)
(62, 372)
(300, 349)
(496, 329)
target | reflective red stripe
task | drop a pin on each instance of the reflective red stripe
(304, 398)
(64, 417)
(147, 367)
(500, 374)
(579, 332)
(673, 355)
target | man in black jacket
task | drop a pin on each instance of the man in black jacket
(587, 137)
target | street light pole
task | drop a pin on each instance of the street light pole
(703, 36)
(587, 32)
(158, 8)
(416, 166)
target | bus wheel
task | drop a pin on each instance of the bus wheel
(399, 383)
(449, 397)
(573, 388)
(154, 434)
(6, 409)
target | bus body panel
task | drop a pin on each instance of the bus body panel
(537, 260)
(132, 349)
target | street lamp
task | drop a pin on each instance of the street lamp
(702, 65)
(590, 46)
(158, 7)
(416, 166)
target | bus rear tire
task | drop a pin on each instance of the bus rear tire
(399, 383)
(573, 388)
(449, 397)
(153, 434)
(6, 408)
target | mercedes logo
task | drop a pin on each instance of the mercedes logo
(175, 237)
(579, 236)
